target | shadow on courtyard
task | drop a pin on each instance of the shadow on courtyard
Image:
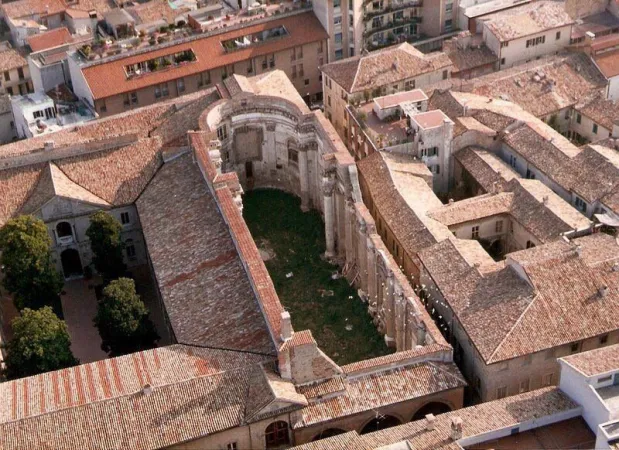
(292, 243)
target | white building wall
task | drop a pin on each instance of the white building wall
(613, 88)
(80, 86)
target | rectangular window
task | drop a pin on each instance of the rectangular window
(272, 61)
(339, 54)
(550, 353)
(499, 226)
(578, 118)
(294, 72)
(337, 3)
(7, 77)
(134, 98)
(445, 74)
(595, 128)
(20, 73)
(180, 85)
(580, 204)
(157, 91)
(575, 347)
(164, 89)
(126, 99)
(205, 79)
(301, 73)
(604, 339)
(320, 47)
(548, 379)
(504, 44)
(410, 84)
(338, 38)
(527, 360)
(475, 232)
(9, 90)
(222, 132)
(130, 251)
(293, 156)
(124, 218)
(232, 446)
(524, 386)
(558, 35)
(502, 61)
(501, 392)
(448, 24)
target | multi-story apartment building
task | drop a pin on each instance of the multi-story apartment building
(296, 44)
(359, 79)
(15, 75)
(365, 25)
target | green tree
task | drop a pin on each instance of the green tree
(28, 271)
(40, 343)
(122, 320)
(107, 247)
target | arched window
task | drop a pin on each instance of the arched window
(380, 423)
(276, 435)
(329, 432)
(431, 408)
(63, 229)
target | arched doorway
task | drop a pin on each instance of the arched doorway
(329, 432)
(380, 423)
(276, 435)
(71, 263)
(431, 408)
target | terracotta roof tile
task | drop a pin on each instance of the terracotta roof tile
(10, 59)
(486, 168)
(195, 392)
(608, 62)
(52, 38)
(28, 8)
(595, 362)
(602, 111)
(109, 78)
(194, 257)
(367, 392)
(384, 67)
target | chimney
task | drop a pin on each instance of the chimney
(545, 200)
(286, 326)
(147, 389)
(430, 422)
(451, 201)
(456, 428)
(48, 145)
(603, 291)
(578, 250)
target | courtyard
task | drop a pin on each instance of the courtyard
(292, 243)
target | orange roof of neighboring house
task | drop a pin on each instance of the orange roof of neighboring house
(608, 63)
(52, 38)
(108, 79)
(11, 59)
(27, 8)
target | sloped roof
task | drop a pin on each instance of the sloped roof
(49, 39)
(384, 67)
(194, 392)
(595, 362)
(28, 8)
(109, 78)
(53, 182)
(10, 59)
(194, 257)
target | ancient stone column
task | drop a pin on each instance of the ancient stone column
(362, 262)
(304, 179)
(327, 192)
(372, 288)
(390, 311)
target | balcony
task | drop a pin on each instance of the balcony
(392, 7)
(392, 24)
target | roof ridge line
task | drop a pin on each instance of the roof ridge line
(510, 332)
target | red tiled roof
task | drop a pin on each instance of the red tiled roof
(107, 79)
(52, 38)
(608, 63)
(595, 362)
(28, 8)
(203, 283)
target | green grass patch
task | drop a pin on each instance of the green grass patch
(329, 308)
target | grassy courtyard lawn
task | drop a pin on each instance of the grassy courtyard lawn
(330, 308)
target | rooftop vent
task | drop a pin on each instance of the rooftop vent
(603, 291)
(48, 145)
(578, 250)
(147, 389)
(545, 200)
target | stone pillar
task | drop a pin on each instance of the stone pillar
(350, 221)
(327, 192)
(399, 317)
(340, 208)
(362, 261)
(371, 272)
(304, 179)
(390, 312)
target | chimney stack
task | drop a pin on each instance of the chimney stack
(545, 200)
(147, 389)
(48, 145)
(578, 250)
(286, 326)
(430, 422)
(603, 291)
(456, 428)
